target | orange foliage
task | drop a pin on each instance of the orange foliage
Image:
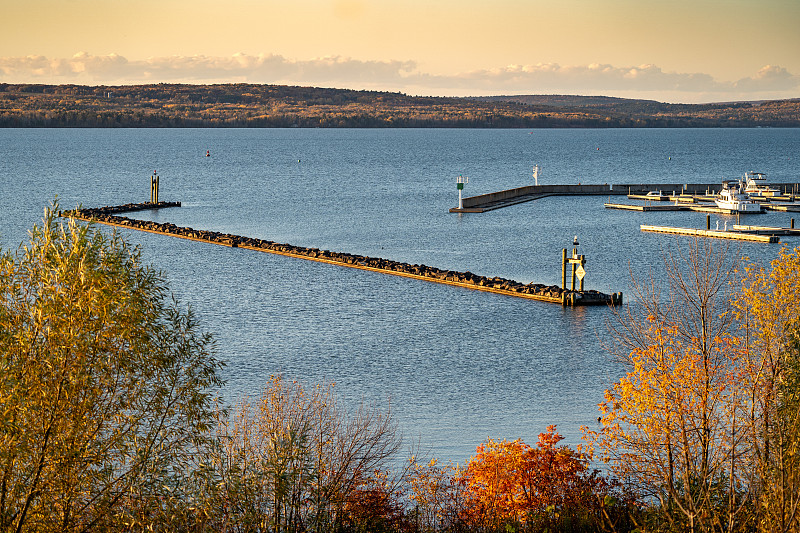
(374, 505)
(512, 481)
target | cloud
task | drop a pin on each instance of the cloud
(769, 78)
(548, 77)
(83, 67)
(643, 81)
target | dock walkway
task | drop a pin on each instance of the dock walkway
(676, 207)
(717, 234)
(767, 230)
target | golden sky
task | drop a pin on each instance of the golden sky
(671, 50)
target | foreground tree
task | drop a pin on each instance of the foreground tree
(105, 384)
(547, 487)
(677, 427)
(295, 461)
(437, 495)
(768, 307)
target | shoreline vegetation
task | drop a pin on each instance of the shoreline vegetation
(275, 106)
(111, 419)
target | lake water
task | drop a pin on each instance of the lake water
(455, 365)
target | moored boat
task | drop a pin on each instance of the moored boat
(756, 184)
(733, 197)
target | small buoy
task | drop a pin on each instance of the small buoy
(598, 147)
(670, 158)
(298, 160)
(208, 153)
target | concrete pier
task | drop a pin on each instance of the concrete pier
(468, 280)
(497, 200)
(684, 192)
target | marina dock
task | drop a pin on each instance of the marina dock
(767, 230)
(717, 234)
(791, 208)
(647, 207)
(674, 207)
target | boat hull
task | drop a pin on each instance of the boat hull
(739, 207)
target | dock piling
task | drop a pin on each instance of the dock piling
(577, 262)
(154, 188)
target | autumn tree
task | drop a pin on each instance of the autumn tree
(547, 486)
(768, 307)
(105, 384)
(436, 494)
(677, 425)
(375, 505)
(294, 460)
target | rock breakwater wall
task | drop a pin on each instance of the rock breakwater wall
(552, 293)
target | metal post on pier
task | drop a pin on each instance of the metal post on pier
(460, 181)
(536, 170)
(577, 262)
(154, 188)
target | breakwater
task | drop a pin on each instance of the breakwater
(497, 200)
(500, 199)
(110, 215)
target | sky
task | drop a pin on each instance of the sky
(687, 51)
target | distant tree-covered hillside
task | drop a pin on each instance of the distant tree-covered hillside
(247, 105)
(772, 113)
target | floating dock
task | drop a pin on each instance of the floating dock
(647, 207)
(767, 230)
(678, 207)
(716, 234)
(792, 208)
(533, 291)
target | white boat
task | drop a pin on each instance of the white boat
(733, 197)
(756, 184)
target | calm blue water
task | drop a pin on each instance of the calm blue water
(455, 365)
